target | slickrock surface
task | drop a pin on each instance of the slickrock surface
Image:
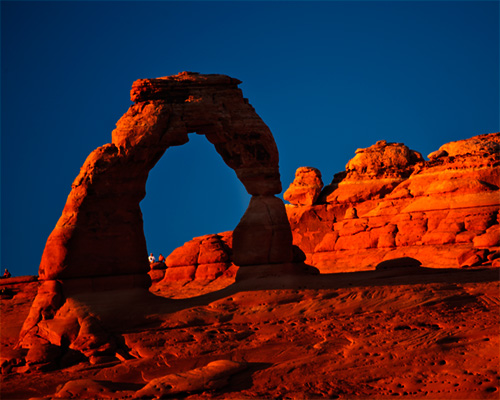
(395, 331)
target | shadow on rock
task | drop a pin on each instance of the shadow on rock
(402, 262)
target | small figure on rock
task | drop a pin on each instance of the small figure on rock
(6, 274)
(152, 258)
(161, 258)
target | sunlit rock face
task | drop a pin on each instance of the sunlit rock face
(305, 188)
(372, 173)
(436, 211)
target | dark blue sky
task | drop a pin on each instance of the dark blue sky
(326, 77)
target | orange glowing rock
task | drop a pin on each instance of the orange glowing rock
(306, 187)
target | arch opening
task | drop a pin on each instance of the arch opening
(190, 192)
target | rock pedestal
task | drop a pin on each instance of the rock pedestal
(263, 235)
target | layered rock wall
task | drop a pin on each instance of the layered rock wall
(390, 203)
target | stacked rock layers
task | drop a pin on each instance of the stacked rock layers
(390, 203)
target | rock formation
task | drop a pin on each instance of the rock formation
(203, 258)
(391, 204)
(100, 231)
(98, 243)
(408, 330)
(306, 187)
(213, 376)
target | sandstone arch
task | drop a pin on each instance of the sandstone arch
(94, 265)
(100, 232)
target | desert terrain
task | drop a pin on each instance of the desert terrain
(382, 283)
(411, 332)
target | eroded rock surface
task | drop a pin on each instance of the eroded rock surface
(390, 203)
(305, 188)
(215, 375)
(100, 231)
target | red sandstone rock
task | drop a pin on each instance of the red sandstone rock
(405, 204)
(214, 375)
(306, 187)
(184, 273)
(491, 238)
(156, 275)
(423, 217)
(472, 258)
(203, 258)
(158, 265)
(43, 356)
(437, 212)
(85, 388)
(99, 234)
(482, 144)
(373, 173)
(187, 254)
(383, 157)
(213, 250)
(292, 332)
(100, 231)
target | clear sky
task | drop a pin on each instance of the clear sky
(326, 77)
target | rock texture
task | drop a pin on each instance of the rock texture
(306, 187)
(215, 375)
(98, 244)
(390, 203)
(401, 330)
(203, 258)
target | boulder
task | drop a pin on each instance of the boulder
(472, 258)
(491, 238)
(383, 158)
(306, 187)
(373, 173)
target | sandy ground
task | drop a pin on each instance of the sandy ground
(412, 332)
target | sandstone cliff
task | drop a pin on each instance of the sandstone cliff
(389, 203)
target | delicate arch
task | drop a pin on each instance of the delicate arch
(100, 232)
